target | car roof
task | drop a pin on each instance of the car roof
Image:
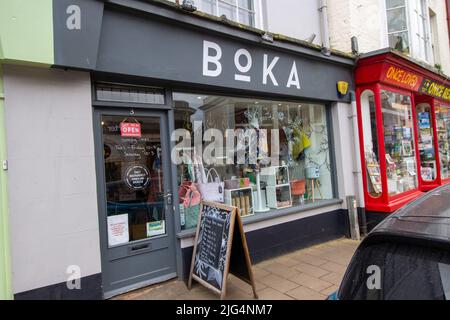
(428, 217)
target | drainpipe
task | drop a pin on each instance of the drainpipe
(5, 262)
(357, 171)
(323, 9)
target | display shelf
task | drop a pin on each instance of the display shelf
(279, 196)
(276, 175)
(241, 198)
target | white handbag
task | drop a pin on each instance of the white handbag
(214, 190)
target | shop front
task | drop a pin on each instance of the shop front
(158, 109)
(403, 127)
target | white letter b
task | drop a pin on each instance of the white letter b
(207, 59)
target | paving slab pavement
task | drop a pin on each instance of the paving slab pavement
(307, 274)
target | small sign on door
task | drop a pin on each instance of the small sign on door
(118, 229)
(130, 129)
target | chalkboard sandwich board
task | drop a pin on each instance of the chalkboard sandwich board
(220, 248)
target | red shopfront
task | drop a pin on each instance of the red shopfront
(404, 130)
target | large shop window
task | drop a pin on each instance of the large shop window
(399, 142)
(371, 153)
(443, 132)
(244, 137)
(428, 169)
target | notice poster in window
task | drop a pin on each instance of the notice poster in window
(156, 228)
(424, 120)
(118, 229)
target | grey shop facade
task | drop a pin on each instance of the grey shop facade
(156, 69)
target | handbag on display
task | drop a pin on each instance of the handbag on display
(190, 199)
(214, 190)
(188, 194)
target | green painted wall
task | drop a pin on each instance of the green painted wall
(26, 32)
(5, 261)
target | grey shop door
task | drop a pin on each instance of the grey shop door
(135, 200)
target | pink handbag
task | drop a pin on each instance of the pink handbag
(188, 194)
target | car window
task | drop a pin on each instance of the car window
(392, 271)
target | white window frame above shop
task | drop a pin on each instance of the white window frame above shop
(256, 10)
(417, 26)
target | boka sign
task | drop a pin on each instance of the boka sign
(243, 63)
(228, 60)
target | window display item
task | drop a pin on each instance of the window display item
(260, 205)
(275, 175)
(231, 184)
(189, 204)
(312, 172)
(314, 184)
(301, 143)
(298, 187)
(212, 190)
(373, 171)
(241, 198)
(279, 196)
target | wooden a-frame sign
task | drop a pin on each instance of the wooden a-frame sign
(220, 248)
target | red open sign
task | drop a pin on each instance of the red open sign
(130, 129)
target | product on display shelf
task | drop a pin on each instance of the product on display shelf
(279, 196)
(275, 175)
(278, 187)
(373, 171)
(241, 198)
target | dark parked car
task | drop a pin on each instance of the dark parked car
(407, 256)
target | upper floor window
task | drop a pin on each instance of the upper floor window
(422, 32)
(408, 28)
(397, 23)
(242, 11)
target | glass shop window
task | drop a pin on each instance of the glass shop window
(257, 155)
(443, 136)
(428, 168)
(371, 153)
(399, 142)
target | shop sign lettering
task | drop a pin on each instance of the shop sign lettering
(243, 63)
(403, 78)
(128, 129)
(435, 89)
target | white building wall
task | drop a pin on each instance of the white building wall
(360, 18)
(52, 181)
(293, 18)
(346, 159)
(366, 19)
(438, 7)
(339, 21)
